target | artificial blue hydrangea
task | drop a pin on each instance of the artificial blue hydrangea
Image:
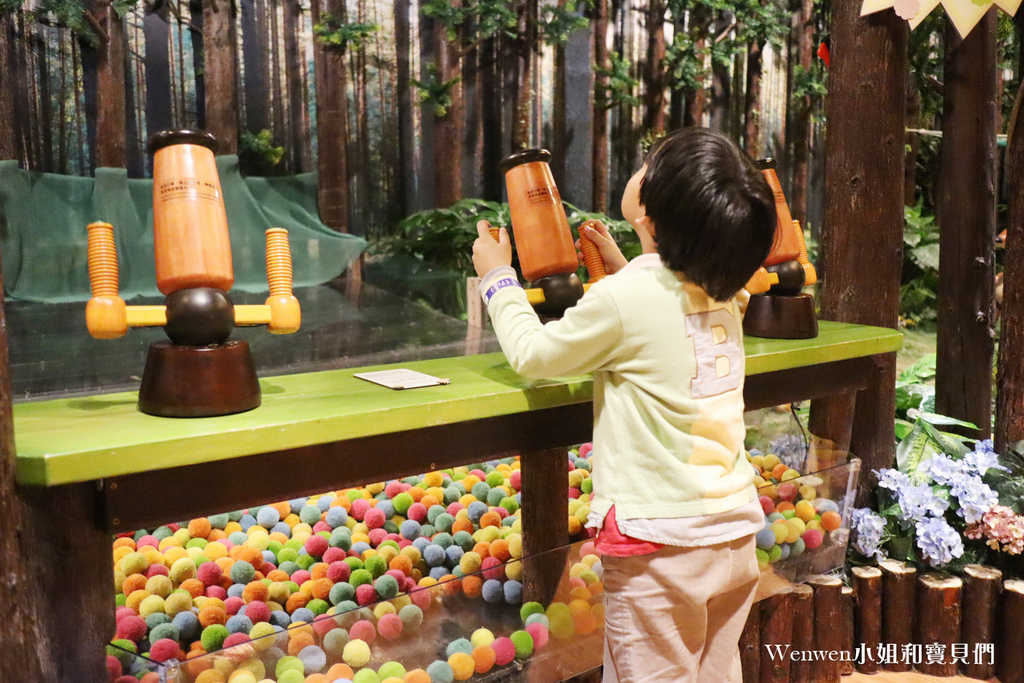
(891, 479)
(943, 469)
(918, 502)
(938, 541)
(981, 461)
(868, 527)
(975, 498)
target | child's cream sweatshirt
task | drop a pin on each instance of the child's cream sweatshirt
(668, 370)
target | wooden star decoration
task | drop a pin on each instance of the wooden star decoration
(964, 14)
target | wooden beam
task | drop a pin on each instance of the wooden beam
(863, 226)
(966, 211)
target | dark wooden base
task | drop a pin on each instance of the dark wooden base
(198, 381)
(781, 317)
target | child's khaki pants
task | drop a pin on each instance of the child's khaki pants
(676, 615)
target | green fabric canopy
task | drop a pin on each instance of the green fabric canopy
(45, 217)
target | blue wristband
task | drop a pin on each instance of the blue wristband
(500, 284)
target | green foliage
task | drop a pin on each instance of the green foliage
(257, 154)
(489, 16)
(556, 23)
(762, 22)
(123, 7)
(432, 90)
(340, 34)
(812, 84)
(70, 14)
(619, 86)
(920, 279)
(914, 391)
(685, 64)
(9, 6)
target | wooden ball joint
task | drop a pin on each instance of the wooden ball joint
(200, 371)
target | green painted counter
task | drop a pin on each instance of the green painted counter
(82, 439)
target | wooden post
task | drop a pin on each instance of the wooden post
(1010, 646)
(868, 615)
(599, 164)
(899, 587)
(982, 586)
(846, 626)
(57, 594)
(938, 621)
(750, 645)
(828, 626)
(966, 212)
(776, 629)
(545, 520)
(220, 77)
(1010, 381)
(863, 225)
(803, 631)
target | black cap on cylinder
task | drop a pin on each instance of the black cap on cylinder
(523, 156)
(166, 138)
(764, 164)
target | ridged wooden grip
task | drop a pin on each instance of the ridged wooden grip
(495, 233)
(102, 256)
(591, 255)
(279, 262)
(810, 274)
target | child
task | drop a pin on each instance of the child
(674, 499)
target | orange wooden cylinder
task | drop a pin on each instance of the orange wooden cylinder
(190, 225)
(543, 239)
(786, 246)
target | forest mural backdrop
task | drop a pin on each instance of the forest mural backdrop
(402, 105)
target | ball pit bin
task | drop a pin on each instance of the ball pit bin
(457, 636)
(808, 503)
(111, 470)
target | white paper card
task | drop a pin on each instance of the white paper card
(402, 379)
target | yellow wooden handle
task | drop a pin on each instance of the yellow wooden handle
(535, 295)
(810, 274)
(146, 316)
(761, 281)
(250, 315)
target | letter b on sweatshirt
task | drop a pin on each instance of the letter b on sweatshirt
(716, 344)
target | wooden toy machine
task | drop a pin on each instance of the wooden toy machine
(544, 241)
(778, 309)
(199, 371)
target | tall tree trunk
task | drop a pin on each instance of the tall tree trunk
(696, 98)
(801, 135)
(721, 80)
(654, 68)
(524, 92)
(78, 98)
(278, 131)
(493, 135)
(331, 124)
(738, 94)
(966, 213)
(448, 129)
(558, 141)
(677, 99)
(298, 116)
(44, 122)
(863, 227)
(406, 171)
(111, 115)
(62, 103)
(255, 55)
(913, 120)
(8, 90)
(752, 99)
(1010, 381)
(366, 200)
(600, 153)
(220, 74)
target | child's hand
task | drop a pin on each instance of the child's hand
(488, 254)
(613, 259)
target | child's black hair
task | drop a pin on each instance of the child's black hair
(713, 211)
